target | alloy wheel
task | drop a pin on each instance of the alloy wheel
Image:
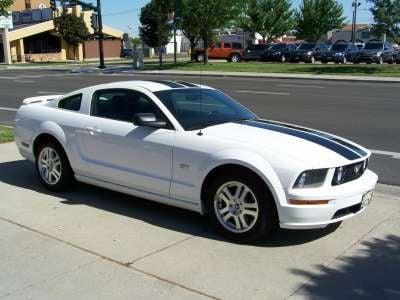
(49, 164)
(236, 207)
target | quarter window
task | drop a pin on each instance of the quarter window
(71, 103)
(122, 105)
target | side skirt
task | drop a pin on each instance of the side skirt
(139, 193)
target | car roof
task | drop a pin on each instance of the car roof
(151, 85)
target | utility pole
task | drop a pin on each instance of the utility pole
(355, 5)
(101, 36)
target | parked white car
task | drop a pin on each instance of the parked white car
(194, 147)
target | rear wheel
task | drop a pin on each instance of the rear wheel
(53, 167)
(240, 208)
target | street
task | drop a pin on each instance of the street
(365, 112)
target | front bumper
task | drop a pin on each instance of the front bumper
(345, 202)
(368, 58)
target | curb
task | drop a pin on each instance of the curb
(275, 75)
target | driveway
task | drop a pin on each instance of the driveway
(94, 243)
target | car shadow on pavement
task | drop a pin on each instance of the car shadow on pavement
(22, 174)
(371, 272)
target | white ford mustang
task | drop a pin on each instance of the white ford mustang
(194, 147)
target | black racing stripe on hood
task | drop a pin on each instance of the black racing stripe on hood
(170, 84)
(322, 134)
(304, 134)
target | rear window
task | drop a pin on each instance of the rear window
(71, 103)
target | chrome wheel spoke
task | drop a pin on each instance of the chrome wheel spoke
(236, 207)
(49, 166)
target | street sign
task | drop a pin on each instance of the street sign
(6, 22)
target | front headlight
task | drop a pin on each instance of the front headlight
(311, 178)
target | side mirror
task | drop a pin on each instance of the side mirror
(148, 120)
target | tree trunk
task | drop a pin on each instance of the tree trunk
(160, 60)
(192, 47)
(205, 41)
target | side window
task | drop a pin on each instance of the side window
(227, 45)
(122, 105)
(71, 103)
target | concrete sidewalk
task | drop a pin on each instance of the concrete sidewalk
(93, 243)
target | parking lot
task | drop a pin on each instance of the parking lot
(94, 243)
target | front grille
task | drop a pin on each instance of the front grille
(350, 172)
(347, 211)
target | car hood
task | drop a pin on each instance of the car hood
(315, 148)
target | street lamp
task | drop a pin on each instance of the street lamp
(355, 5)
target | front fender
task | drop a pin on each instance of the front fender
(249, 160)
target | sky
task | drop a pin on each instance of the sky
(124, 13)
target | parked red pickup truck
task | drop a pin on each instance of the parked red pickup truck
(232, 52)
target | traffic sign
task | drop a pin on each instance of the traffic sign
(6, 22)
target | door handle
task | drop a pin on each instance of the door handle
(93, 130)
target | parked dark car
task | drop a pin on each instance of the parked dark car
(278, 52)
(340, 53)
(309, 52)
(376, 52)
(255, 52)
(398, 57)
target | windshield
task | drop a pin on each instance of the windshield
(373, 46)
(196, 108)
(306, 46)
(277, 47)
(339, 47)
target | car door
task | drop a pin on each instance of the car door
(122, 153)
(215, 51)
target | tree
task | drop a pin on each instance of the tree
(71, 28)
(211, 15)
(155, 30)
(316, 17)
(270, 18)
(188, 25)
(387, 18)
(4, 6)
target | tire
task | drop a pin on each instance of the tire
(257, 209)
(200, 57)
(60, 176)
(324, 61)
(391, 61)
(311, 60)
(235, 58)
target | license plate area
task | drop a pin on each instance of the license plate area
(366, 199)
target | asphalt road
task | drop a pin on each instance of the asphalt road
(365, 112)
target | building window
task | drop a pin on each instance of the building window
(28, 4)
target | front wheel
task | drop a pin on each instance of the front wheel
(53, 167)
(200, 57)
(234, 58)
(240, 208)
